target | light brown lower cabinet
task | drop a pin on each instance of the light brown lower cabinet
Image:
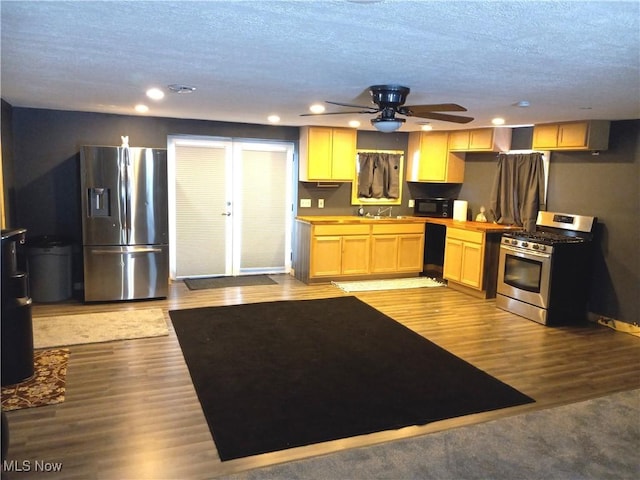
(340, 255)
(470, 261)
(344, 251)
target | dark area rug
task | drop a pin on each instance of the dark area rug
(222, 282)
(277, 375)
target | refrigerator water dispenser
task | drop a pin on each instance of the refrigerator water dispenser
(99, 202)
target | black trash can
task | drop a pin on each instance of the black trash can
(16, 324)
(49, 259)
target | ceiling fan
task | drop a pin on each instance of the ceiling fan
(389, 100)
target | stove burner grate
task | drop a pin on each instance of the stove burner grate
(541, 236)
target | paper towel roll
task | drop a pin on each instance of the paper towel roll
(460, 210)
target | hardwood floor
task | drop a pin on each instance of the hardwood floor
(131, 411)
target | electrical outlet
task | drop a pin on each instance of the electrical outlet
(305, 202)
(321, 203)
(411, 203)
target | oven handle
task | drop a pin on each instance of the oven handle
(525, 252)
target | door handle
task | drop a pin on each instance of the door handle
(227, 214)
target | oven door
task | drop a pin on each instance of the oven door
(524, 275)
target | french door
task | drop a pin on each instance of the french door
(230, 206)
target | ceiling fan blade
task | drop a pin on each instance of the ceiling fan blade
(372, 109)
(337, 113)
(442, 116)
(437, 107)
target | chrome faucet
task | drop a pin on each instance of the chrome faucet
(382, 210)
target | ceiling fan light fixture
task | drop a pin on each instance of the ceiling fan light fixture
(387, 125)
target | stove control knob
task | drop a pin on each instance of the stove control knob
(536, 246)
(514, 242)
(543, 248)
(525, 244)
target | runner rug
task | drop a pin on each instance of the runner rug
(277, 375)
(78, 329)
(391, 284)
(46, 386)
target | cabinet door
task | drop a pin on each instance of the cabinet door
(355, 254)
(545, 136)
(433, 157)
(481, 139)
(410, 253)
(384, 253)
(326, 256)
(319, 153)
(471, 271)
(573, 134)
(459, 140)
(343, 153)
(452, 259)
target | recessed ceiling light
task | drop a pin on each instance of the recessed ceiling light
(426, 127)
(316, 108)
(140, 108)
(354, 123)
(273, 118)
(179, 88)
(498, 121)
(155, 94)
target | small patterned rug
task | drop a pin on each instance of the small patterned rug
(392, 284)
(45, 387)
(65, 330)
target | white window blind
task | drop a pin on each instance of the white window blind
(265, 210)
(200, 200)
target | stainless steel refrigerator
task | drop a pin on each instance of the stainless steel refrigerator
(125, 230)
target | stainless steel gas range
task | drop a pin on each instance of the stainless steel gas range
(545, 275)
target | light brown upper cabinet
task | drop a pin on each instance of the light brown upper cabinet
(429, 159)
(480, 140)
(327, 154)
(580, 135)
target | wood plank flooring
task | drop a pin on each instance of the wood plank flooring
(131, 411)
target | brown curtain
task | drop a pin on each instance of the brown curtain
(518, 189)
(379, 175)
(365, 175)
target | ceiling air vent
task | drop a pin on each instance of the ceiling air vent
(178, 88)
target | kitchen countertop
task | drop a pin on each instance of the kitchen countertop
(354, 220)
(484, 227)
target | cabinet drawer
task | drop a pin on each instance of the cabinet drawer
(465, 235)
(341, 230)
(392, 229)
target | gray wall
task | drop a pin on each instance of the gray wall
(45, 176)
(605, 186)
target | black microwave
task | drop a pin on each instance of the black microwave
(433, 207)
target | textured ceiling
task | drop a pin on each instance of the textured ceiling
(249, 59)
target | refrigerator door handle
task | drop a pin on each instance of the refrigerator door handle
(128, 250)
(127, 196)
